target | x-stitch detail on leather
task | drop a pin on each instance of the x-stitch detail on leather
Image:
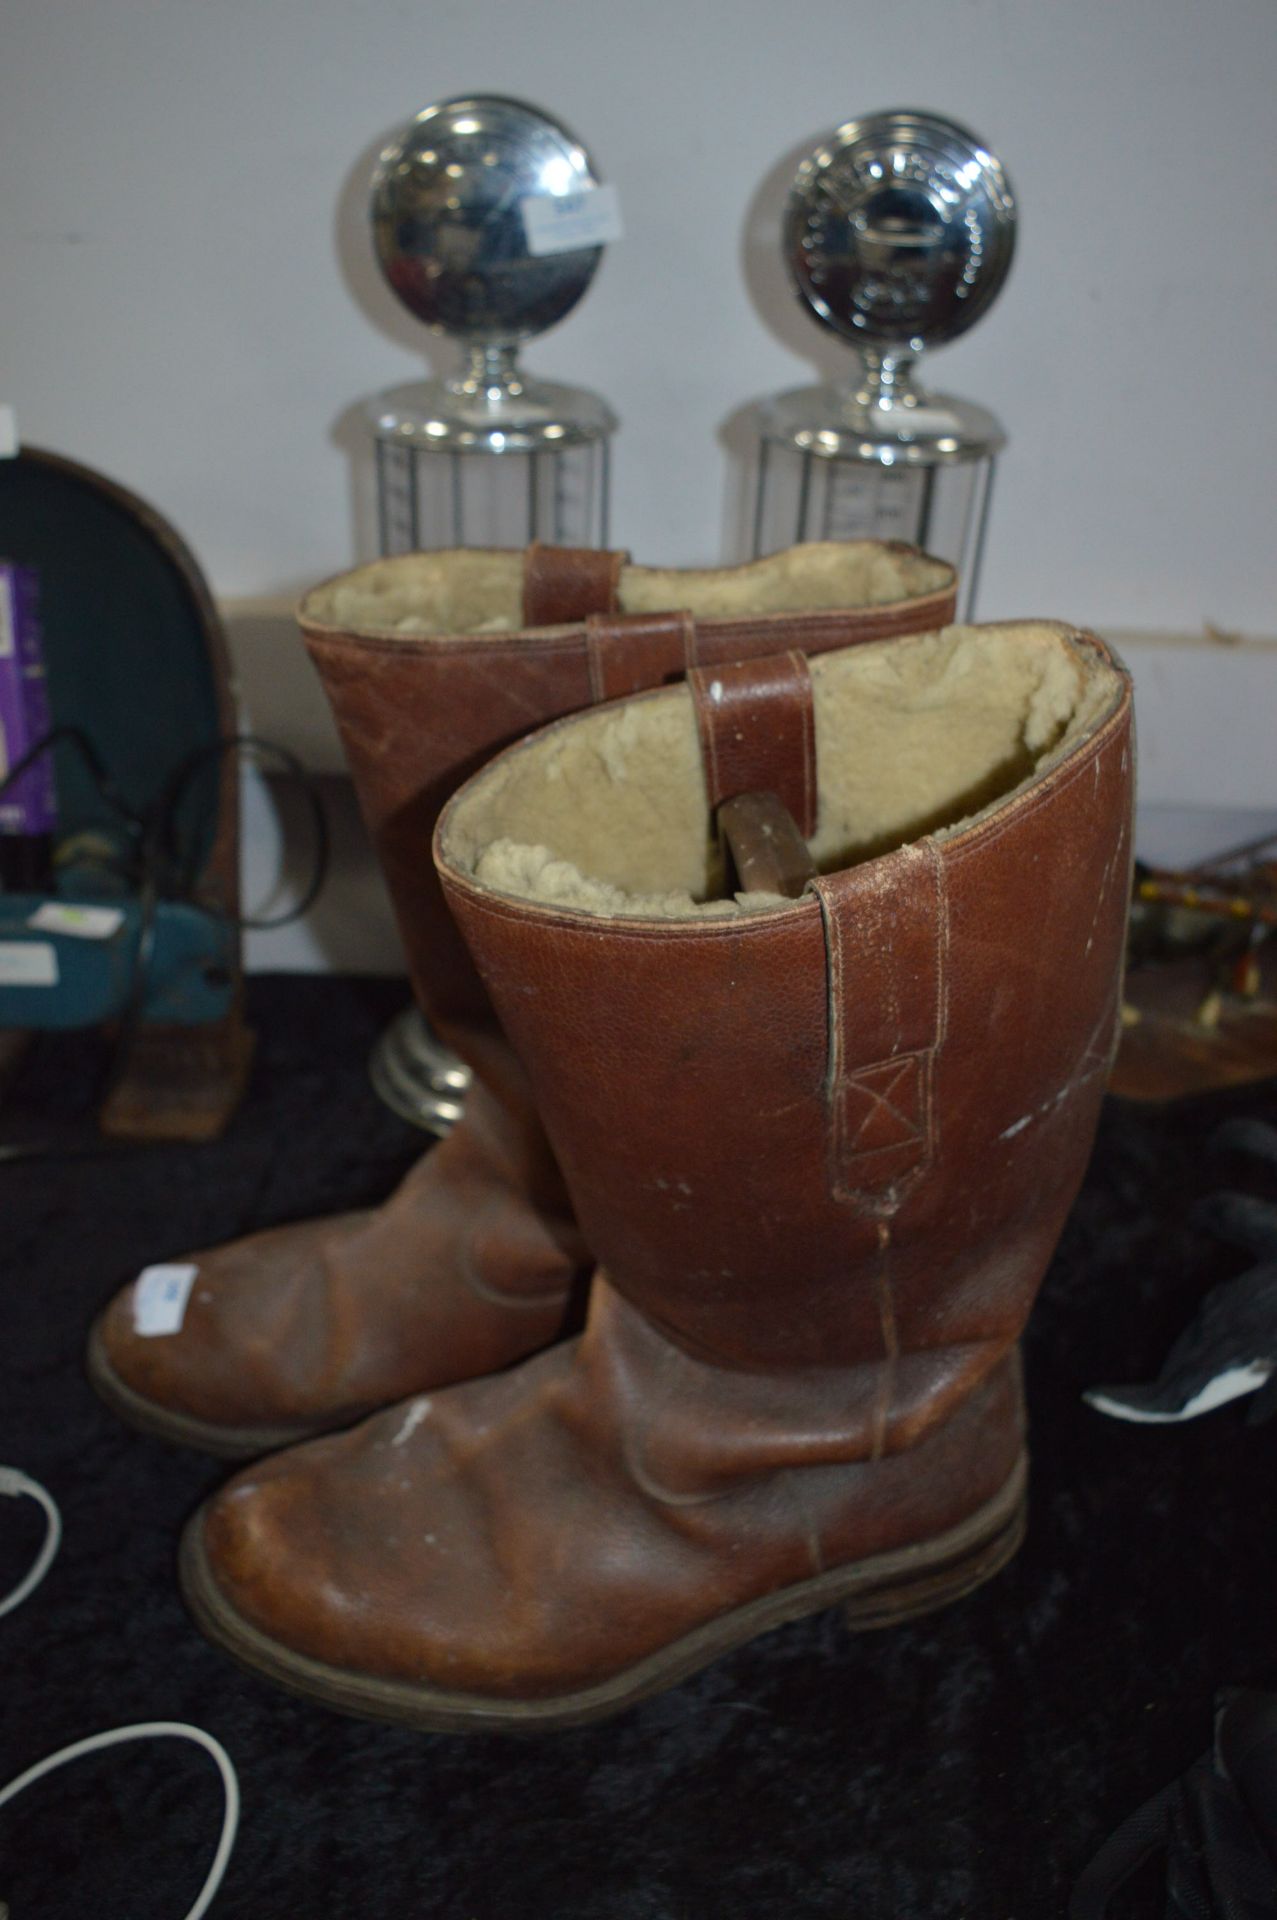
(882, 1123)
(884, 1106)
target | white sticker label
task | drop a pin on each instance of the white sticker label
(82, 923)
(28, 963)
(160, 1295)
(565, 222)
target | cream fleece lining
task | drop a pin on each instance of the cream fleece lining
(482, 591)
(608, 812)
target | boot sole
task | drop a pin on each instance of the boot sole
(183, 1429)
(880, 1592)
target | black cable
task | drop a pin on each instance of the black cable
(156, 829)
(175, 792)
(160, 871)
(158, 858)
(106, 786)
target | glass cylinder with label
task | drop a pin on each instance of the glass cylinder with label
(489, 221)
(878, 460)
(898, 234)
(491, 459)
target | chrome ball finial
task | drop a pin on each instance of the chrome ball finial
(899, 231)
(448, 222)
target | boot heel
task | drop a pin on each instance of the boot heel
(929, 1590)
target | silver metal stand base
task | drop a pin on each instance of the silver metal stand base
(417, 1076)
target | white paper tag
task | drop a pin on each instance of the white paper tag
(565, 222)
(82, 923)
(160, 1295)
(28, 963)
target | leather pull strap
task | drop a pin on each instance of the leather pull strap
(757, 724)
(886, 946)
(564, 585)
(633, 652)
(767, 851)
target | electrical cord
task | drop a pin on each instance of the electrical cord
(158, 870)
(175, 792)
(161, 853)
(154, 1730)
(154, 842)
(17, 1484)
(158, 861)
(83, 743)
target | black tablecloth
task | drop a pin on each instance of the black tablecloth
(967, 1765)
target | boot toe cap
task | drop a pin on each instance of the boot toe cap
(237, 1356)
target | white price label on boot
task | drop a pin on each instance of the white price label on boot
(160, 1295)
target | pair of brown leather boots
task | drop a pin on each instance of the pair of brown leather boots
(820, 1147)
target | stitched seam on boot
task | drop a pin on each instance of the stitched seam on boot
(691, 648)
(515, 645)
(585, 925)
(596, 664)
(840, 1083)
(890, 1339)
(1053, 786)
(598, 655)
(709, 742)
(939, 1019)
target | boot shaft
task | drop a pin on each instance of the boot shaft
(432, 662)
(844, 1130)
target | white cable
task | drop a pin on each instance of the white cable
(17, 1484)
(150, 1730)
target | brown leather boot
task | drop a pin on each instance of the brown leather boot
(822, 1148)
(432, 662)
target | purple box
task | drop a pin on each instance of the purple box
(30, 806)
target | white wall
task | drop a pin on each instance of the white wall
(189, 301)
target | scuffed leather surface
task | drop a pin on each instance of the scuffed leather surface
(514, 1537)
(324, 1320)
(967, 1763)
(900, 1132)
(780, 1373)
(418, 715)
